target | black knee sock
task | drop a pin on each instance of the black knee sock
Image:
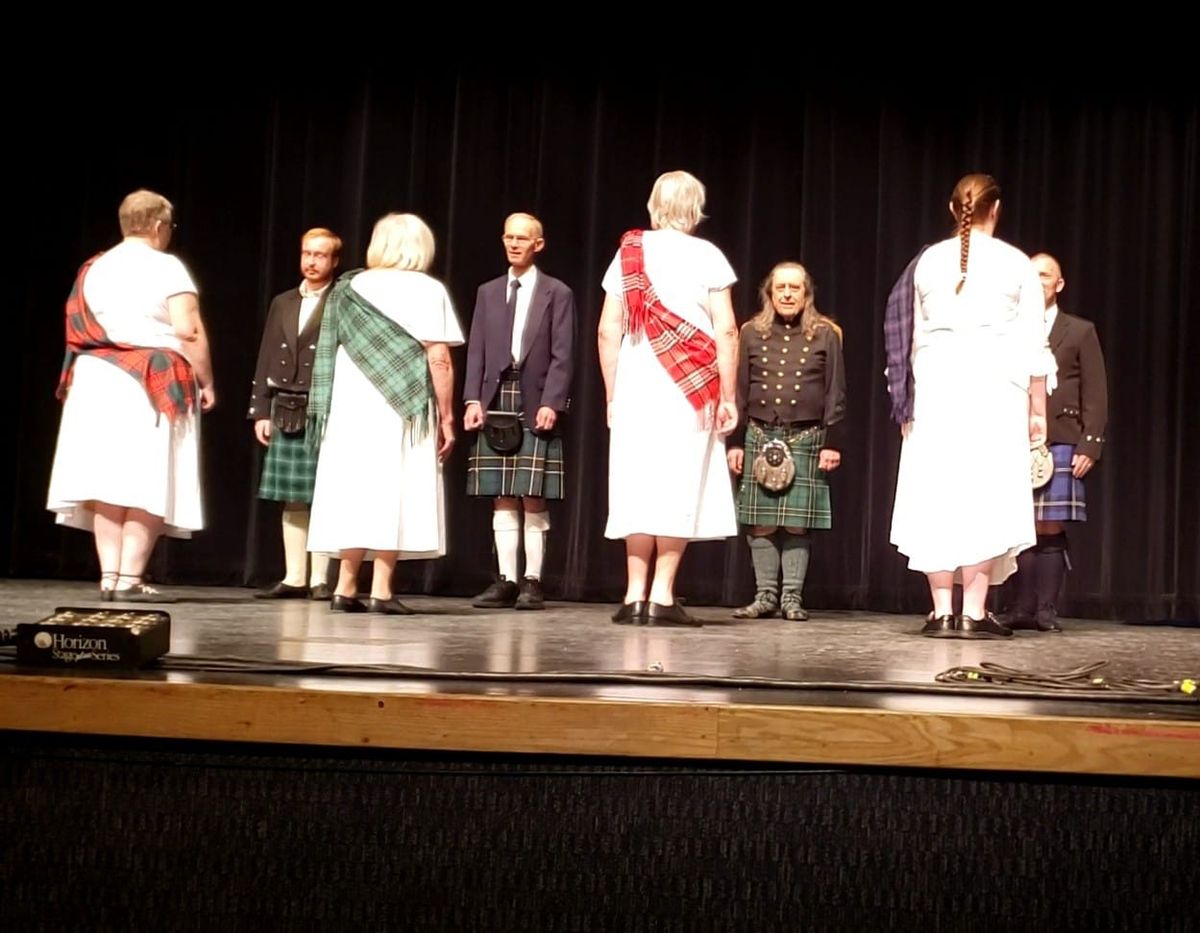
(1051, 570)
(1022, 585)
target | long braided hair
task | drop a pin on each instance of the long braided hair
(973, 196)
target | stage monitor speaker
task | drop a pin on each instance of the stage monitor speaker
(77, 637)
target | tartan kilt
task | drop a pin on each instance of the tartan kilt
(805, 503)
(1062, 499)
(289, 469)
(534, 470)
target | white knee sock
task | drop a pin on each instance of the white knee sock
(506, 528)
(536, 526)
(319, 571)
(295, 546)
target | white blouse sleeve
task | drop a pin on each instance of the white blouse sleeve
(720, 272)
(612, 277)
(439, 323)
(173, 277)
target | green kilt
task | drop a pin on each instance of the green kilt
(534, 470)
(805, 503)
(289, 469)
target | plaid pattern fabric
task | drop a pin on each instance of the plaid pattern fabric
(388, 355)
(688, 354)
(897, 342)
(166, 376)
(1062, 499)
(289, 469)
(534, 470)
(805, 503)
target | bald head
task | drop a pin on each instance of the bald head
(522, 241)
(1050, 275)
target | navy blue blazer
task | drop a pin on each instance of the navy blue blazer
(547, 348)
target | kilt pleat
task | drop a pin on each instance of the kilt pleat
(534, 470)
(1062, 499)
(805, 503)
(289, 469)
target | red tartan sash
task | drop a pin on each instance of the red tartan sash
(687, 353)
(165, 374)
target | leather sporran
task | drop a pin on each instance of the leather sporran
(289, 411)
(503, 431)
(1041, 466)
(774, 468)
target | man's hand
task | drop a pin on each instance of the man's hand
(727, 418)
(829, 459)
(473, 419)
(736, 458)
(262, 430)
(1037, 429)
(445, 438)
(545, 419)
(208, 398)
(1080, 465)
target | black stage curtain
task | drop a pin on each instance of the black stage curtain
(849, 183)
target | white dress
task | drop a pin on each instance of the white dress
(378, 486)
(963, 494)
(667, 474)
(113, 446)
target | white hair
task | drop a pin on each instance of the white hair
(400, 241)
(676, 202)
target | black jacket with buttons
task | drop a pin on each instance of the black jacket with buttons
(1077, 410)
(786, 378)
(285, 357)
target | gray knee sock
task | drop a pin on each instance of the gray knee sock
(794, 558)
(764, 554)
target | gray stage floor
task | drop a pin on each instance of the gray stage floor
(861, 659)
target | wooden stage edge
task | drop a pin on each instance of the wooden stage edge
(544, 725)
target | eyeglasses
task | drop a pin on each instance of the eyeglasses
(169, 223)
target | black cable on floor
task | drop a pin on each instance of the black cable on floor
(1086, 678)
(1011, 684)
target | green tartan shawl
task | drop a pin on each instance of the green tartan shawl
(388, 355)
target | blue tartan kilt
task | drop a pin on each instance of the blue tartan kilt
(805, 503)
(1062, 499)
(534, 470)
(289, 469)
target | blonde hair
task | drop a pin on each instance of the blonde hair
(140, 211)
(400, 241)
(973, 197)
(326, 233)
(810, 317)
(676, 202)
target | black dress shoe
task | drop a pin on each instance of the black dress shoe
(321, 592)
(139, 593)
(987, 627)
(502, 594)
(765, 605)
(1017, 621)
(631, 613)
(283, 591)
(531, 596)
(347, 604)
(658, 614)
(389, 607)
(940, 626)
(1047, 621)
